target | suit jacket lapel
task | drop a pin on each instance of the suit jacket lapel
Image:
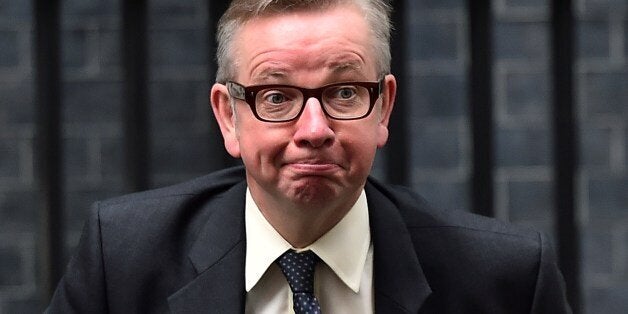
(400, 285)
(217, 256)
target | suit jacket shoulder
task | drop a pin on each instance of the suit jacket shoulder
(144, 252)
(471, 264)
(211, 184)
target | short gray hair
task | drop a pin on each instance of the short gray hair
(376, 12)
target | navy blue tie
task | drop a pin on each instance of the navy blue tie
(299, 271)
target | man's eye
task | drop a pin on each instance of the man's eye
(344, 93)
(276, 98)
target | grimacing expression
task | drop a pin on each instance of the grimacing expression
(314, 160)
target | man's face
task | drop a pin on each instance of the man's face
(313, 161)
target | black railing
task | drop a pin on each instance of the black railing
(565, 149)
(136, 116)
(49, 152)
(398, 148)
(481, 105)
(220, 158)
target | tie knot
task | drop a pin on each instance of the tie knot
(299, 270)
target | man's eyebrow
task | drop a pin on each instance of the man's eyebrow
(347, 66)
(270, 74)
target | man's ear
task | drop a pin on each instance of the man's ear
(387, 102)
(225, 116)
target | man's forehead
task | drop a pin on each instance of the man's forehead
(271, 48)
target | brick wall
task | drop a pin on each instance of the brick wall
(18, 199)
(522, 93)
(439, 125)
(92, 108)
(602, 85)
(436, 97)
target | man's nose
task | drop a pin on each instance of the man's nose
(313, 126)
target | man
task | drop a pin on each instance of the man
(304, 97)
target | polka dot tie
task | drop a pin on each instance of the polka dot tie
(299, 271)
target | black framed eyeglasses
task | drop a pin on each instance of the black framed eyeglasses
(283, 103)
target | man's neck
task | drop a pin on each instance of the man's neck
(302, 224)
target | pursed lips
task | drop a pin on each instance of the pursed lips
(313, 165)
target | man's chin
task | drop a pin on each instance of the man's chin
(314, 192)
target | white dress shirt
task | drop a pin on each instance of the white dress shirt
(343, 281)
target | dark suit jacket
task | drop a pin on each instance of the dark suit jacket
(181, 249)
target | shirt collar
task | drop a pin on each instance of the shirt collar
(343, 248)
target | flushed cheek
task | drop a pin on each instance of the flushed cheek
(361, 164)
(262, 151)
(359, 151)
(267, 159)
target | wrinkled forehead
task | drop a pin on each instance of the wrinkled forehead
(336, 40)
